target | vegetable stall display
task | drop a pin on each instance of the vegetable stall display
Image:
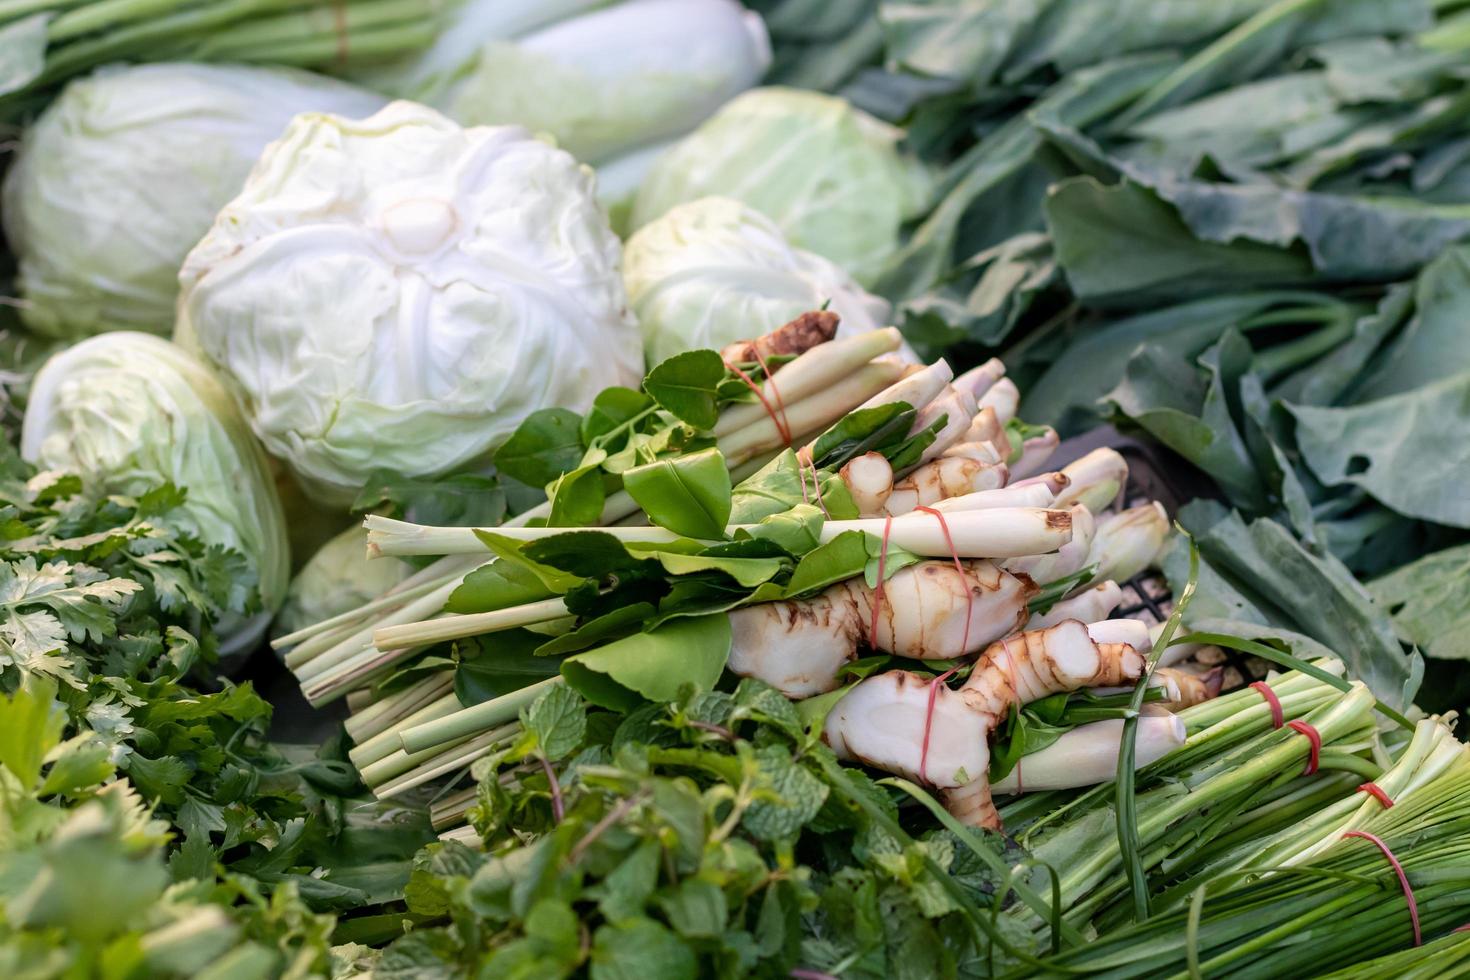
(662, 449)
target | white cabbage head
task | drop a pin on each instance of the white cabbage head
(399, 293)
(714, 271)
(830, 175)
(124, 172)
(337, 579)
(616, 79)
(133, 411)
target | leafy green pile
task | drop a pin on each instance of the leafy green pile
(712, 835)
(148, 825)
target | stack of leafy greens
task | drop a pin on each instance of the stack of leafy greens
(148, 826)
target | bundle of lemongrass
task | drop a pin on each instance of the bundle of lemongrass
(958, 481)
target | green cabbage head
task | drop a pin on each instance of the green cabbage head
(831, 176)
(715, 271)
(398, 293)
(133, 411)
(125, 171)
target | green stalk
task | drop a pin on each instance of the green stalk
(476, 718)
(386, 742)
(457, 627)
(16, 9)
(382, 715)
(444, 761)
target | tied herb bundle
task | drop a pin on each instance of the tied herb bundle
(147, 823)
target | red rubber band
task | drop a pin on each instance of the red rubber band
(1464, 928)
(1398, 869)
(771, 383)
(969, 592)
(816, 484)
(878, 592)
(782, 429)
(1376, 791)
(929, 721)
(1314, 737)
(1265, 691)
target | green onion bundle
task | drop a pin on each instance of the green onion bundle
(45, 42)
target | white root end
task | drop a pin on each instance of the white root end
(1130, 541)
(869, 480)
(949, 476)
(880, 723)
(980, 452)
(1034, 454)
(1186, 689)
(798, 647)
(1133, 632)
(1071, 558)
(1096, 480)
(1094, 604)
(1055, 482)
(978, 380)
(985, 427)
(1004, 397)
(1088, 754)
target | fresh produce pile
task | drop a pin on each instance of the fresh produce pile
(669, 488)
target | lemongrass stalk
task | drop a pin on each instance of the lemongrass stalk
(361, 699)
(1095, 480)
(369, 665)
(1001, 532)
(1015, 495)
(957, 409)
(915, 390)
(476, 718)
(1128, 542)
(811, 373)
(386, 742)
(317, 665)
(364, 41)
(810, 414)
(979, 380)
(285, 30)
(452, 809)
(447, 761)
(457, 627)
(395, 764)
(419, 583)
(465, 835)
(1004, 397)
(382, 715)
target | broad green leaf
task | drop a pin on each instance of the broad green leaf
(1430, 602)
(613, 409)
(1408, 451)
(689, 495)
(543, 447)
(502, 662)
(496, 585)
(652, 666)
(513, 552)
(686, 385)
(577, 497)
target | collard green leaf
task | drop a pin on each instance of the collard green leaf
(1430, 603)
(1409, 451)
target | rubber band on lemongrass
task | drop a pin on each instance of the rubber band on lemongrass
(879, 591)
(929, 722)
(1376, 791)
(782, 428)
(1398, 869)
(775, 391)
(1313, 736)
(955, 554)
(1264, 689)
